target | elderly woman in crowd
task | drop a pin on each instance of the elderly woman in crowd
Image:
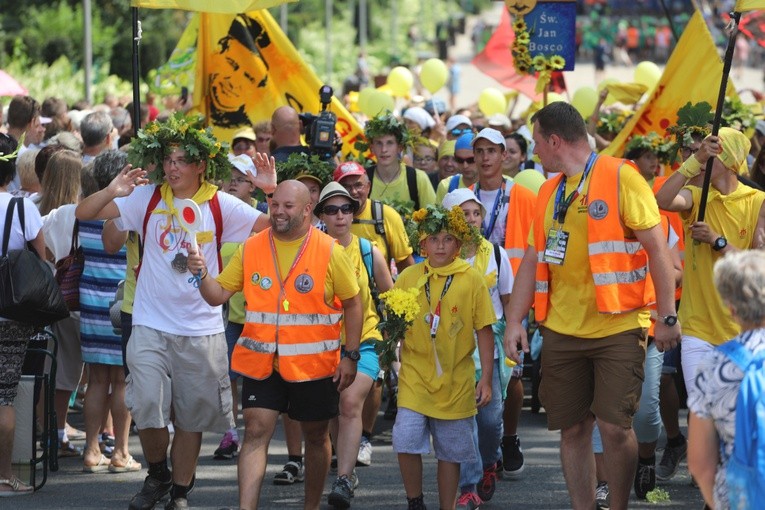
(740, 281)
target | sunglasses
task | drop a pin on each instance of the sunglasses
(462, 161)
(460, 132)
(332, 210)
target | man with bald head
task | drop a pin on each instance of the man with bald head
(301, 291)
(285, 133)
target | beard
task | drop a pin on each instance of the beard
(292, 223)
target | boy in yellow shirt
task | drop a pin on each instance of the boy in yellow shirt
(437, 391)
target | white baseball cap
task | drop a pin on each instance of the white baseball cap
(459, 196)
(456, 120)
(243, 164)
(491, 135)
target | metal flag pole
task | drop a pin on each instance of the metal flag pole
(136, 71)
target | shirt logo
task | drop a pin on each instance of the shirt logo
(598, 210)
(266, 283)
(304, 283)
(255, 279)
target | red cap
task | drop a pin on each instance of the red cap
(347, 169)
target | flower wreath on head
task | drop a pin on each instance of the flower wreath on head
(435, 218)
(664, 148)
(13, 155)
(300, 164)
(693, 121)
(158, 139)
(387, 124)
(524, 63)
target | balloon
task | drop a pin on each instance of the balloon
(530, 179)
(400, 80)
(364, 96)
(648, 74)
(377, 103)
(585, 100)
(610, 99)
(434, 74)
(554, 97)
(492, 101)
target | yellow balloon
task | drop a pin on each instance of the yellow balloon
(364, 96)
(378, 103)
(492, 101)
(610, 99)
(530, 179)
(400, 80)
(585, 100)
(647, 73)
(434, 74)
(554, 97)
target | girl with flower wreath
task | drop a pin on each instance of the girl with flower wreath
(438, 395)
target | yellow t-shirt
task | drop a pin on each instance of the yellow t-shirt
(702, 313)
(369, 329)
(573, 309)
(340, 282)
(397, 241)
(443, 188)
(132, 260)
(399, 190)
(465, 307)
(235, 302)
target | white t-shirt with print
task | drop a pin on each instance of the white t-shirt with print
(32, 222)
(164, 298)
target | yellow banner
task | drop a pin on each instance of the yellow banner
(749, 5)
(247, 67)
(180, 69)
(219, 6)
(693, 73)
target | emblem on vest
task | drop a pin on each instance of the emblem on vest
(304, 283)
(598, 210)
(265, 283)
(255, 279)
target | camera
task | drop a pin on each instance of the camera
(320, 129)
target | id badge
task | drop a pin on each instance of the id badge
(555, 247)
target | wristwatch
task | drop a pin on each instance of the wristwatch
(719, 243)
(353, 355)
(669, 320)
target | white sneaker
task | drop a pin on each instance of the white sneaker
(364, 457)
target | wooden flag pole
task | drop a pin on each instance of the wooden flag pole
(735, 17)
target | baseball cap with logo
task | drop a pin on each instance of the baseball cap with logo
(348, 169)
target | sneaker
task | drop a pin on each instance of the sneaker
(670, 461)
(645, 480)
(67, 449)
(488, 483)
(512, 457)
(152, 491)
(354, 478)
(291, 472)
(177, 504)
(601, 496)
(107, 439)
(364, 457)
(341, 493)
(228, 448)
(468, 501)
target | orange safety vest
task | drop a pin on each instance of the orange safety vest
(291, 321)
(619, 265)
(520, 215)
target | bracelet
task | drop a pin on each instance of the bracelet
(204, 274)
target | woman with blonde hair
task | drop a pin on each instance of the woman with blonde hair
(61, 182)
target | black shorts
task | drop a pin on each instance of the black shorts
(302, 401)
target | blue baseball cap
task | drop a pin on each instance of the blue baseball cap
(465, 141)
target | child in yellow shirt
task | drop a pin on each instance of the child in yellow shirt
(437, 395)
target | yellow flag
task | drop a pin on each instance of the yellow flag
(693, 73)
(247, 67)
(219, 6)
(749, 5)
(627, 93)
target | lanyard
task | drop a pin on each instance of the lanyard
(562, 204)
(498, 202)
(301, 251)
(435, 317)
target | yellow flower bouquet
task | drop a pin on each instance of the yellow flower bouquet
(401, 309)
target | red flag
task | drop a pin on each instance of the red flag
(496, 60)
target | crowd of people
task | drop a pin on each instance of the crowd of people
(489, 229)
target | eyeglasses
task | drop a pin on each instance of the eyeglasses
(424, 159)
(459, 132)
(332, 210)
(688, 152)
(462, 161)
(240, 180)
(177, 162)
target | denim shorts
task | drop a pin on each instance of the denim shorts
(369, 364)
